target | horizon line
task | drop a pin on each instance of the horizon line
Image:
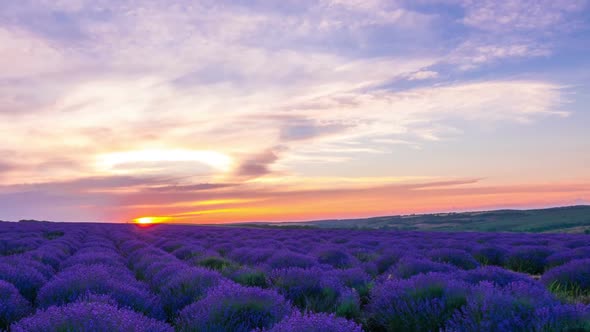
(304, 221)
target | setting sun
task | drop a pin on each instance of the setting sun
(144, 221)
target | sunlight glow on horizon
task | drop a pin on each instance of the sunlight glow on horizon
(145, 221)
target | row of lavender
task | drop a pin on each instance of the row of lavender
(186, 278)
(17, 238)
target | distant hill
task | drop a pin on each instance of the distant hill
(29, 221)
(570, 219)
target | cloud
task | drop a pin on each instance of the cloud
(192, 187)
(514, 29)
(80, 199)
(83, 199)
(88, 183)
(5, 166)
(300, 129)
(35, 55)
(417, 111)
(472, 54)
(374, 12)
(519, 14)
(422, 75)
(329, 119)
(257, 165)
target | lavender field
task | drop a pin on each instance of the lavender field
(101, 277)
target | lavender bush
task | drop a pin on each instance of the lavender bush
(528, 259)
(490, 308)
(25, 278)
(456, 257)
(411, 266)
(12, 305)
(490, 255)
(495, 275)
(284, 259)
(571, 279)
(80, 280)
(187, 287)
(310, 289)
(422, 303)
(564, 317)
(311, 322)
(234, 308)
(89, 317)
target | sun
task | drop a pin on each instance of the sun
(146, 221)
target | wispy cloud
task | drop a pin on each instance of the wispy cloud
(4, 166)
(422, 75)
(472, 54)
(525, 15)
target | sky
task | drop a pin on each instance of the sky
(223, 111)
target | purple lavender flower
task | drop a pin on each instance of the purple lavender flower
(456, 257)
(309, 289)
(186, 287)
(89, 317)
(565, 256)
(215, 263)
(490, 308)
(46, 270)
(159, 273)
(422, 303)
(411, 266)
(496, 275)
(252, 255)
(356, 279)
(188, 251)
(25, 278)
(103, 257)
(132, 245)
(388, 258)
(69, 285)
(490, 255)
(565, 317)
(248, 276)
(571, 279)
(12, 305)
(232, 307)
(142, 258)
(100, 298)
(285, 259)
(528, 259)
(365, 255)
(334, 257)
(170, 245)
(315, 322)
(52, 254)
